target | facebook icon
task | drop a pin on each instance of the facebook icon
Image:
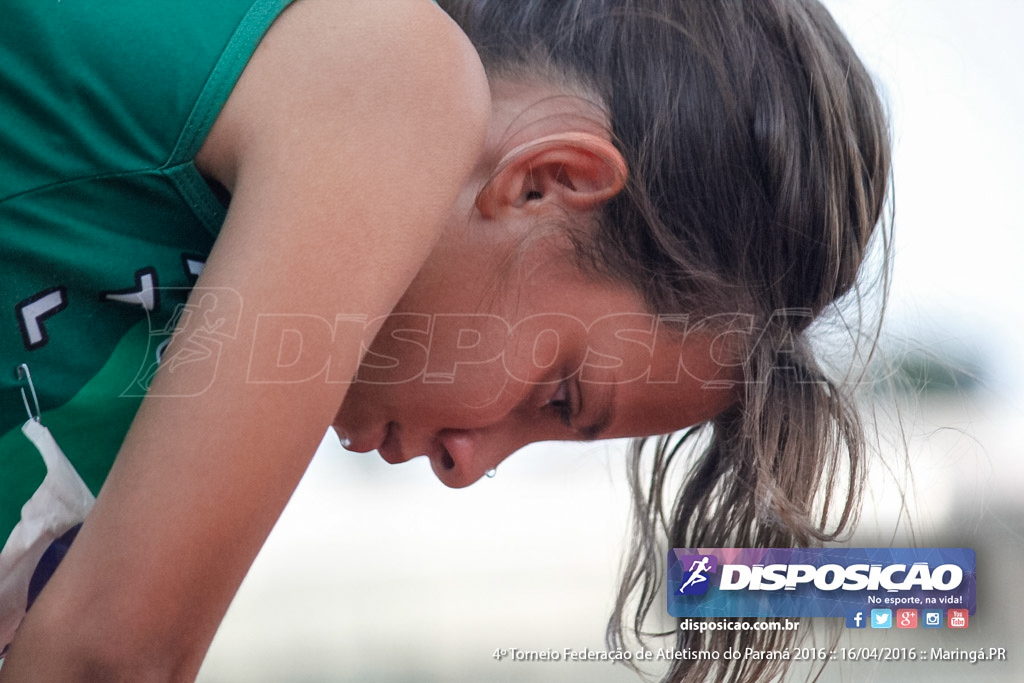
(856, 618)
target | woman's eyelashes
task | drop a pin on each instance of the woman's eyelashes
(561, 403)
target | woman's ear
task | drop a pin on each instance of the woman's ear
(579, 171)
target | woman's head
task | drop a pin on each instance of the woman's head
(506, 336)
(503, 339)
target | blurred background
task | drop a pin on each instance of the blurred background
(380, 574)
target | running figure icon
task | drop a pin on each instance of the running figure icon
(697, 570)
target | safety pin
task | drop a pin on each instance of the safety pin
(26, 376)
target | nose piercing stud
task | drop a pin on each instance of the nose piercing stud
(491, 472)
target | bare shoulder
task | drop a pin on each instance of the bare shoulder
(355, 124)
(401, 65)
(407, 46)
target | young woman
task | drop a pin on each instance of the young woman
(544, 220)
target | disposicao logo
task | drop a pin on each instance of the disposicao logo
(824, 582)
(695, 580)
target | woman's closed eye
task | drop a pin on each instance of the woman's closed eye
(560, 403)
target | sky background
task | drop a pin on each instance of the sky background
(952, 76)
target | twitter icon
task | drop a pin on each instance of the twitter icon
(881, 618)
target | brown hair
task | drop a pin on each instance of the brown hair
(758, 153)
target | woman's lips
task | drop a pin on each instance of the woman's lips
(390, 448)
(355, 446)
(364, 443)
(387, 442)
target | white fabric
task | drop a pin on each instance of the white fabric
(61, 501)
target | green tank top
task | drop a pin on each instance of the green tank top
(104, 220)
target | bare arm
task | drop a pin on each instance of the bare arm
(344, 152)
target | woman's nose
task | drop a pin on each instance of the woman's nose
(466, 455)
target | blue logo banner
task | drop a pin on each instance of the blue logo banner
(818, 582)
